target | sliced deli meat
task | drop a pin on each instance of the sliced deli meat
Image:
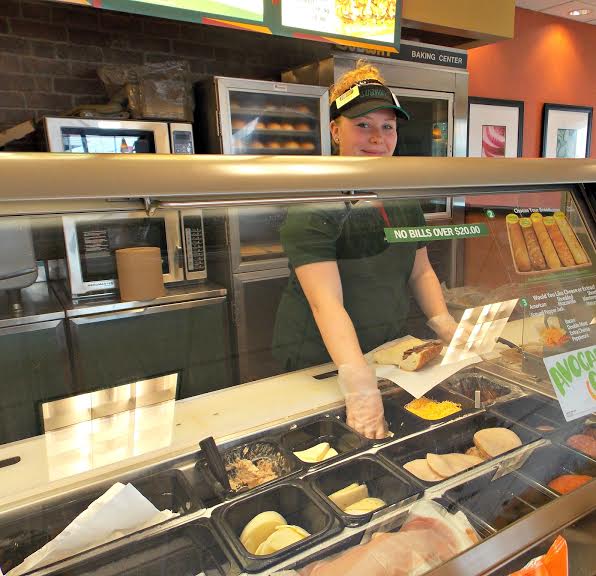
(496, 441)
(447, 465)
(422, 470)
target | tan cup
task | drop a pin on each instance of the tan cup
(139, 273)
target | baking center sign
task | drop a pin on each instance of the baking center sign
(573, 375)
(421, 233)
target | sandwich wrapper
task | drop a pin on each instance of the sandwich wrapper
(120, 511)
(420, 382)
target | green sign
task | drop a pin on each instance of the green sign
(422, 233)
(573, 375)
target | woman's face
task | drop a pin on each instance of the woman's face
(374, 134)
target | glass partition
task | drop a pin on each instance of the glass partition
(479, 330)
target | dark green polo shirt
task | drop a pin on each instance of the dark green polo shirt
(374, 274)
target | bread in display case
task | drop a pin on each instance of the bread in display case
(484, 458)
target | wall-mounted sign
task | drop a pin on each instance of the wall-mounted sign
(351, 22)
(573, 375)
(422, 233)
(374, 24)
(432, 55)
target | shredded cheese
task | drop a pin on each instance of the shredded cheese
(431, 409)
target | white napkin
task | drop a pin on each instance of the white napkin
(420, 382)
(120, 511)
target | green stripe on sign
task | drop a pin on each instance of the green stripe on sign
(428, 233)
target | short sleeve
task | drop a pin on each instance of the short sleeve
(310, 233)
(408, 213)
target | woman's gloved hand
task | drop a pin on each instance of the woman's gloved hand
(364, 406)
(444, 326)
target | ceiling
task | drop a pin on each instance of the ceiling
(562, 8)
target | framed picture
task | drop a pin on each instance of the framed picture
(495, 128)
(566, 131)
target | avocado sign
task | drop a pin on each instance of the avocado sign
(573, 375)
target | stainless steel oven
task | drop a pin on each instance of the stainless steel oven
(92, 239)
(90, 136)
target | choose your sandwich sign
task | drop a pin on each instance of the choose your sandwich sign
(573, 375)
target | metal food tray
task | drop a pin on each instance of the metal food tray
(188, 466)
(456, 382)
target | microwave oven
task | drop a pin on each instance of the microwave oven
(92, 239)
(82, 135)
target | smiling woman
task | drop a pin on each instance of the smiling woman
(342, 268)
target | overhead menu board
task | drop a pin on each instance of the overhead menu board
(373, 24)
(367, 23)
(243, 9)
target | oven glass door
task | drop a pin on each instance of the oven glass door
(103, 141)
(92, 241)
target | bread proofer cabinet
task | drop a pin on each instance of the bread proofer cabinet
(480, 488)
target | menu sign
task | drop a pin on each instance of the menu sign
(358, 24)
(573, 375)
(369, 20)
(243, 9)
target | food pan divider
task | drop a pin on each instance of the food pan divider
(295, 501)
(499, 500)
(392, 520)
(146, 546)
(382, 482)
(332, 430)
(533, 411)
(44, 520)
(454, 384)
(572, 428)
(455, 436)
(551, 461)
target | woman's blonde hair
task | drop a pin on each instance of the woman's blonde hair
(363, 71)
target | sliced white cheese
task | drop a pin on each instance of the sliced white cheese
(260, 528)
(349, 495)
(315, 453)
(365, 506)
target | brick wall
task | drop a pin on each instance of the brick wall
(49, 54)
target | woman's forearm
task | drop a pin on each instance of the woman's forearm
(425, 286)
(338, 333)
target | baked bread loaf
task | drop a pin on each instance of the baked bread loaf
(418, 356)
(394, 354)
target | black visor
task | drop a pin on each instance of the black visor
(364, 97)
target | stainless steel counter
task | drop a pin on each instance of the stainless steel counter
(113, 303)
(38, 303)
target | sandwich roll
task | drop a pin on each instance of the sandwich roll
(558, 241)
(546, 245)
(536, 257)
(518, 244)
(417, 357)
(394, 354)
(579, 255)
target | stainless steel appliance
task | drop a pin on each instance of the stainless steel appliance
(257, 117)
(82, 136)
(17, 258)
(91, 241)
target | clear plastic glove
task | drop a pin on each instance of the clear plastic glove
(444, 326)
(364, 406)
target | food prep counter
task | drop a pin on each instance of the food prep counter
(477, 473)
(205, 536)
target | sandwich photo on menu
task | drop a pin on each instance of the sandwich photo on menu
(544, 244)
(367, 18)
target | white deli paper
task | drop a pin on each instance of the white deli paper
(420, 382)
(120, 511)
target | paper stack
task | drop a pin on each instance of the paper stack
(120, 511)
